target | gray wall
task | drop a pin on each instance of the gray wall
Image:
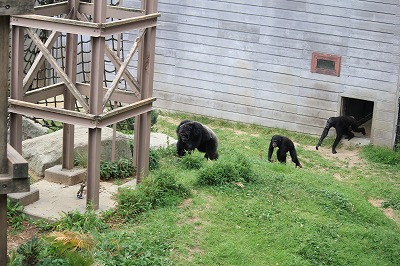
(249, 61)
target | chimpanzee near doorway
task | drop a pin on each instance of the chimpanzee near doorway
(362, 110)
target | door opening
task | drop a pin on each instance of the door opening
(362, 110)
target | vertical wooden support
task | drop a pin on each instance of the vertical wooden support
(4, 49)
(145, 78)
(95, 107)
(69, 99)
(16, 90)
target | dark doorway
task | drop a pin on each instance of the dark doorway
(362, 111)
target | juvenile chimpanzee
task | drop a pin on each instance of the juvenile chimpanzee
(192, 135)
(343, 125)
(285, 145)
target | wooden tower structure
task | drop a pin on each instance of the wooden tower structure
(74, 17)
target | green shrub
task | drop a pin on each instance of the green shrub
(159, 190)
(120, 169)
(381, 155)
(192, 161)
(224, 172)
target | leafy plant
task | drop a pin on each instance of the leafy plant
(15, 215)
(123, 168)
(30, 251)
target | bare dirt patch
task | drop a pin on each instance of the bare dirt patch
(348, 156)
(389, 212)
(15, 240)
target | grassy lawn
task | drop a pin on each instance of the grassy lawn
(267, 214)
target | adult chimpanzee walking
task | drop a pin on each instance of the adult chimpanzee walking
(285, 145)
(343, 125)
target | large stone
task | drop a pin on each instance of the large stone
(31, 130)
(45, 151)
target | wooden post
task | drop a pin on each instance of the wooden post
(4, 49)
(145, 78)
(96, 107)
(69, 100)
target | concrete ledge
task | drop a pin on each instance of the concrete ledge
(67, 177)
(25, 198)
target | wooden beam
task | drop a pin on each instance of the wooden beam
(52, 9)
(122, 96)
(132, 82)
(17, 165)
(85, 28)
(125, 112)
(112, 11)
(62, 115)
(44, 93)
(59, 70)
(122, 69)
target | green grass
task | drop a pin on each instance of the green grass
(244, 210)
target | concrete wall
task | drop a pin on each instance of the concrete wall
(249, 61)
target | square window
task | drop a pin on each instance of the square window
(325, 64)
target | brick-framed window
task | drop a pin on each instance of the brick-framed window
(325, 64)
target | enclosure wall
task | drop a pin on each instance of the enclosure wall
(249, 61)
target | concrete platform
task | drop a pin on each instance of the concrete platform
(57, 199)
(70, 177)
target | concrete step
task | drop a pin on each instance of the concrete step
(25, 198)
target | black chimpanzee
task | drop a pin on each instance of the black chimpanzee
(285, 145)
(192, 135)
(343, 125)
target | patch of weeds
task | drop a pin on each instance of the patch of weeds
(158, 190)
(392, 203)
(80, 159)
(193, 161)
(79, 222)
(123, 168)
(15, 215)
(334, 202)
(59, 248)
(131, 248)
(154, 159)
(381, 155)
(30, 252)
(223, 172)
(318, 252)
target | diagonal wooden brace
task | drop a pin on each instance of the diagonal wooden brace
(59, 70)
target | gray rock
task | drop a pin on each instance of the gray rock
(31, 130)
(45, 151)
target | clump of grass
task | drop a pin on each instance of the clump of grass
(15, 215)
(392, 203)
(223, 172)
(159, 190)
(154, 159)
(79, 222)
(193, 161)
(381, 155)
(120, 169)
